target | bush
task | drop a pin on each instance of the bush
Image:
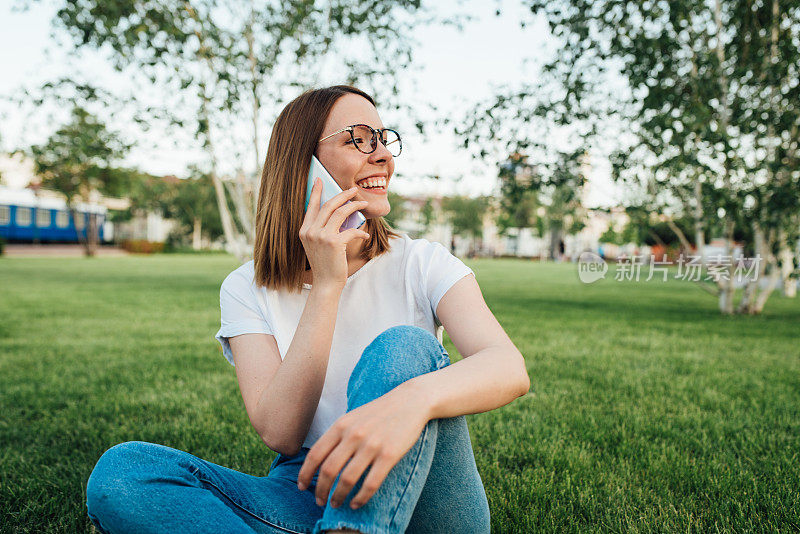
(142, 246)
(2, 245)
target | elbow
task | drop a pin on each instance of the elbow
(525, 385)
(280, 446)
(525, 380)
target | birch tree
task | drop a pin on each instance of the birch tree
(704, 119)
(227, 59)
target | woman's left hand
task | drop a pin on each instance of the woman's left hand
(379, 433)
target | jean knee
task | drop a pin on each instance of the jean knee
(397, 354)
(112, 476)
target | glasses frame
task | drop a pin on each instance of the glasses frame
(375, 135)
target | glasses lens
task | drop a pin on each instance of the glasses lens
(392, 141)
(366, 142)
(364, 138)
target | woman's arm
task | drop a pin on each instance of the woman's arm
(492, 372)
(281, 406)
(380, 432)
(287, 398)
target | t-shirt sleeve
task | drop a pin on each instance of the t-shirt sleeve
(240, 312)
(440, 270)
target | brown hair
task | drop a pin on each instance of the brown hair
(278, 253)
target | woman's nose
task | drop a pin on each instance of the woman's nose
(381, 153)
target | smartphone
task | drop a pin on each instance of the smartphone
(329, 190)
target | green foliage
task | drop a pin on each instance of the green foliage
(234, 55)
(466, 214)
(78, 158)
(192, 201)
(226, 59)
(427, 215)
(611, 236)
(632, 233)
(188, 201)
(523, 190)
(712, 100)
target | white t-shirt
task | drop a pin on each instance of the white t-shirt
(401, 286)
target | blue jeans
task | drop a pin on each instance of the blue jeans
(144, 487)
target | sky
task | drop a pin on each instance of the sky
(455, 69)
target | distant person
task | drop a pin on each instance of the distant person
(336, 342)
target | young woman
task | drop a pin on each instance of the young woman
(336, 341)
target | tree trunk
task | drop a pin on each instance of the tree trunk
(92, 235)
(726, 288)
(80, 233)
(197, 233)
(254, 85)
(238, 194)
(751, 289)
(699, 224)
(555, 237)
(233, 241)
(681, 236)
(786, 260)
(774, 280)
(755, 296)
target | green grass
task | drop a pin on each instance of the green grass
(649, 411)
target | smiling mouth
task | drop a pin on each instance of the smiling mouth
(375, 185)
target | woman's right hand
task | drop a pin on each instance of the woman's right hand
(325, 246)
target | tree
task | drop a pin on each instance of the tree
(77, 160)
(427, 215)
(466, 216)
(228, 56)
(711, 106)
(552, 187)
(189, 201)
(517, 203)
(611, 236)
(193, 206)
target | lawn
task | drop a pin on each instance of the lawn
(648, 410)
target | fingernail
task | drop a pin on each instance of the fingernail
(319, 501)
(301, 486)
(334, 504)
(353, 505)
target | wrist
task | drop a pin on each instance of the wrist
(413, 395)
(326, 290)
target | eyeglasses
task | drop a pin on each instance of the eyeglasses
(365, 138)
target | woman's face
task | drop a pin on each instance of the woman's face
(348, 165)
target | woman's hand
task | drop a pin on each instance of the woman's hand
(325, 246)
(378, 433)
